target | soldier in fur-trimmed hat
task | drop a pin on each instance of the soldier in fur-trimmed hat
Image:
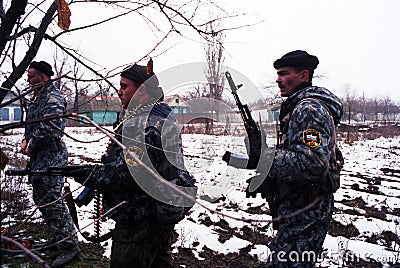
(144, 225)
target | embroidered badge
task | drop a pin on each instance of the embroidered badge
(128, 157)
(312, 138)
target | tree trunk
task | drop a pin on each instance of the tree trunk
(19, 71)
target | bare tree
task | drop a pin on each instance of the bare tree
(60, 67)
(215, 61)
(20, 40)
(214, 74)
(79, 88)
(389, 109)
(13, 20)
(197, 91)
(349, 103)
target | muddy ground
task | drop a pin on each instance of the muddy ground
(92, 254)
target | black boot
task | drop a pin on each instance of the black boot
(66, 256)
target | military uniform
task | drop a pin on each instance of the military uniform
(47, 149)
(144, 225)
(297, 174)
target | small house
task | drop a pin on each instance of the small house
(178, 105)
(11, 112)
(103, 110)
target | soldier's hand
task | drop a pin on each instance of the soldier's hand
(227, 156)
(250, 193)
(24, 147)
(256, 185)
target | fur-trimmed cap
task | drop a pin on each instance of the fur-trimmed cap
(142, 74)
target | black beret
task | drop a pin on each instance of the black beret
(42, 67)
(297, 58)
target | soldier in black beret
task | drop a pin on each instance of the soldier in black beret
(43, 144)
(39, 74)
(302, 172)
(307, 162)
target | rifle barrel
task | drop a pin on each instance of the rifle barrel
(50, 171)
(16, 172)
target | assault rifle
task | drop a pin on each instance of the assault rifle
(250, 125)
(83, 198)
(253, 134)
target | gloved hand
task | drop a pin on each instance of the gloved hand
(80, 175)
(257, 184)
(227, 156)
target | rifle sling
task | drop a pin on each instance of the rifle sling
(72, 210)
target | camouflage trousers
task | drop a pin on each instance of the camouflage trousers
(141, 245)
(299, 239)
(47, 192)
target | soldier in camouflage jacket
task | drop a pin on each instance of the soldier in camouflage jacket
(42, 142)
(144, 225)
(298, 171)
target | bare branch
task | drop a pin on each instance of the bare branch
(32, 51)
(84, 64)
(100, 22)
(36, 258)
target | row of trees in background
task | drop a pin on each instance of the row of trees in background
(361, 109)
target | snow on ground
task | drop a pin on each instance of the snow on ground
(221, 190)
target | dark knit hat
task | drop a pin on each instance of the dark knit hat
(297, 58)
(42, 67)
(139, 75)
(144, 75)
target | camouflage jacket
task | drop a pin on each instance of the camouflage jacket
(152, 134)
(42, 135)
(307, 140)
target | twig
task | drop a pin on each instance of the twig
(26, 251)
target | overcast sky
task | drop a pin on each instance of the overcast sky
(356, 41)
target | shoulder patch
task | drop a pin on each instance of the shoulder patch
(129, 159)
(311, 138)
